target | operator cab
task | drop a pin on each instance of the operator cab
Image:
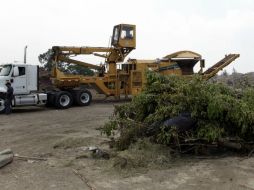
(124, 36)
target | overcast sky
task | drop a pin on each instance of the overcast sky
(212, 28)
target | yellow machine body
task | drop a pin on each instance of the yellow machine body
(116, 78)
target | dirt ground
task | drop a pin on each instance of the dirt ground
(62, 136)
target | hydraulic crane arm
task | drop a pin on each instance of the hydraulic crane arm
(81, 63)
(113, 54)
(65, 50)
(122, 43)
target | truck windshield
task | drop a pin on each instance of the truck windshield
(5, 70)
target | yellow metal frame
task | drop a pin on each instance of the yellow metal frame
(130, 79)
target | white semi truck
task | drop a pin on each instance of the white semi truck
(24, 79)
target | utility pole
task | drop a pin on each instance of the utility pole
(25, 54)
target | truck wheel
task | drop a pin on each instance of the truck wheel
(82, 97)
(63, 100)
(2, 106)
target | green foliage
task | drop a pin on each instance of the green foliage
(46, 60)
(248, 97)
(210, 132)
(166, 136)
(109, 128)
(77, 69)
(220, 111)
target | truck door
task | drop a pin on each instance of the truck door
(19, 83)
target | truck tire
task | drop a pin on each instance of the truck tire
(82, 97)
(63, 100)
(2, 106)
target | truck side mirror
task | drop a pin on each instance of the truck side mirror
(15, 71)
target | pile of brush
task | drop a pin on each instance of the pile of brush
(186, 114)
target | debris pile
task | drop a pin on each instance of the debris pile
(187, 114)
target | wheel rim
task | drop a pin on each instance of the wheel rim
(84, 97)
(64, 100)
(2, 104)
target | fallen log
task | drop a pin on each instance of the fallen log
(6, 157)
(232, 145)
(6, 151)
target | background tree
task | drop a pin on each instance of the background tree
(47, 64)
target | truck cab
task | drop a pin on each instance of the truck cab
(24, 81)
(23, 78)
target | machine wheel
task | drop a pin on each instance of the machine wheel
(63, 100)
(82, 97)
(2, 106)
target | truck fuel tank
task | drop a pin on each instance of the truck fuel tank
(31, 99)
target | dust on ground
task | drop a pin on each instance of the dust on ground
(61, 135)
